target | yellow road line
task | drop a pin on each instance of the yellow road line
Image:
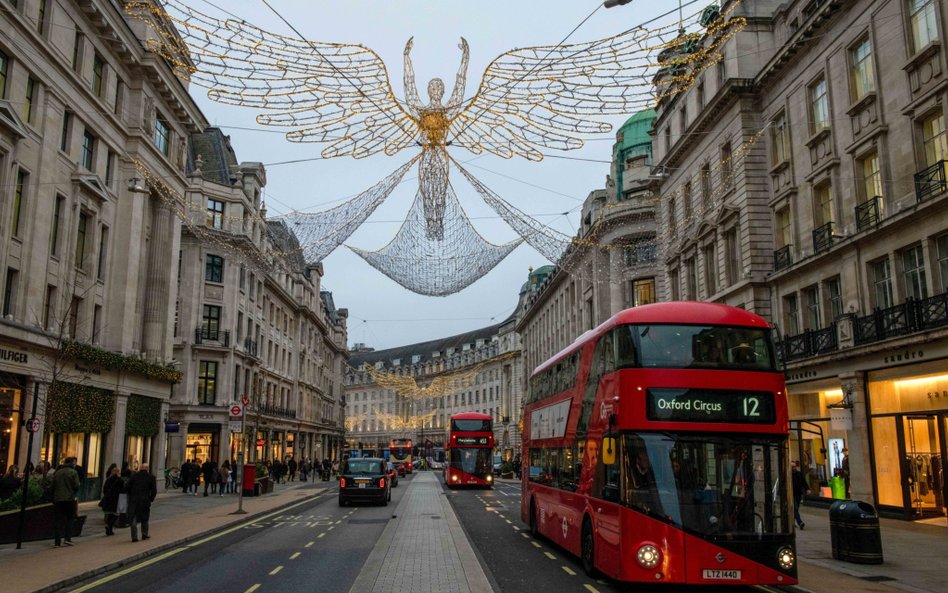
(112, 577)
(590, 588)
(568, 571)
(253, 588)
(295, 555)
(549, 555)
(276, 570)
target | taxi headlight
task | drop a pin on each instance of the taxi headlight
(786, 558)
(648, 556)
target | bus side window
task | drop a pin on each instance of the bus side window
(592, 385)
(625, 347)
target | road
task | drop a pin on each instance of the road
(516, 562)
(314, 546)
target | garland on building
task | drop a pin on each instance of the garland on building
(79, 408)
(142, 416)
(119, 362)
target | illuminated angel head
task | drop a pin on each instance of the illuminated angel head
(436, 91)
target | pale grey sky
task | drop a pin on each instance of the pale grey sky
(382, 314)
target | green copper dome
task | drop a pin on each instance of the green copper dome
(635, 133)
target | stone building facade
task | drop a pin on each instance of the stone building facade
(822, 136)
(490, 357)
(612, 265)
(267, 333)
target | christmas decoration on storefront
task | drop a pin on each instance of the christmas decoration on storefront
(142, 416)
(528, 100)
(118, 362)
(72, 407)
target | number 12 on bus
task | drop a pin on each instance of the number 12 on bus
(655, 449)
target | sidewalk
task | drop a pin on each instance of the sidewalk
(914, 558)
(176, 519)
(431, 558)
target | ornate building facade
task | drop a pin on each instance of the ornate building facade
(485, 362)
(821, 141)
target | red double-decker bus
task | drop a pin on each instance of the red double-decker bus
(468, 451)
(655, 449)
(400, 453)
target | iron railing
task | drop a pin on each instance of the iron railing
(912, 316)
(250, 346)
(783, 257)
(823, 238)
(869, 213)
(206, 334)
(278, 411)
(930, 181)
(809, 343)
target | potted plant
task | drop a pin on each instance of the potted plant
(263, 483)
(38, 524)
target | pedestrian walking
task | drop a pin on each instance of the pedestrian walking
(304, 470)
(292, 465)
(114, 484)
(10, 482)
(142, 490)
(224, 477)
(186, 476)
(844, 471)
(65, 487)
(800, 488)
(209, 473)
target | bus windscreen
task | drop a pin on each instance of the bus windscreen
(696, 347)
(471, 425)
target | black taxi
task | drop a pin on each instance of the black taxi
(364, 479)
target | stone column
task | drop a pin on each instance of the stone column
(176, 451)
(160, 460)
(857, 439)
(115, 446)
(158, 277)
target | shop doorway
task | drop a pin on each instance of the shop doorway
(923, 464)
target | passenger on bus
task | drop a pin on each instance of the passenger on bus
(644, 489)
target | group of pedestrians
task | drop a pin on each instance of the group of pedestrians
(218, 480)
(286, 471)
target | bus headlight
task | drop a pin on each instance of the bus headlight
(785, 558)
(454, 478)
(648, 556)
(490, 478)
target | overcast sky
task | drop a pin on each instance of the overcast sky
(382, 314)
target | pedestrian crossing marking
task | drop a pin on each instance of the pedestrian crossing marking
(568, 571)
(276, 570)
(549, 555)
(295, 555)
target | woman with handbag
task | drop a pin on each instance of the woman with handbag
(111, 490)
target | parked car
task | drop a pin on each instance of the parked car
(364, 479)
(392, 474)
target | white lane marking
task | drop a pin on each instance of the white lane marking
(536, 545)
(525, 534)
(590, 588)
(321, 534)
(253, 588)
(568, 571)
(295, 555)
(509, 522)
(549, 555)
(308, 544)
(276, 570)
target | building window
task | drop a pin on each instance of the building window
(41, 17)
(913, 271)
(727, 173)
(819, 106)
(9, 292)
(81, 240)
(823, 204)
(674, 282)
(779, 140)
(933, 139)
(686, 199)
(791, 314)
(98, 75)
(211, 322)
(710, 270)
(784, 234)
(29, 100)
(15, 215)
(214, 268)
(215, 214)
(691, 280)
(75, 305)
(731, 259)
(811, 300)
(643, 292)
(871, 176)
(103, 252)
(924, 27)
(242, 276)
(110, 168)
(88, 150)
(672, 216)
(644, 252)
(706, 187)
(64, 137)
(4, 69)
(834, 297)
(863, 81)
(96, 323)
(162, 134)
(881, 279)
(49, 307)
(119, 96)
(77, 50)
(699, 97)
(207, 382)
(54, 232)
(942, 246)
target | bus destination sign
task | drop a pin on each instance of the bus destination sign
(471, 441)
(710, 405)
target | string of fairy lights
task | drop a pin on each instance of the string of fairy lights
(528, 100)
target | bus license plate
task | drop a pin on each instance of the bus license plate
(721, 575)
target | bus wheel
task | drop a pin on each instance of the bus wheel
(587, 553)
(534, 531)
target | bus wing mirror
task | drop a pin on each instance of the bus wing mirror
(609, 450)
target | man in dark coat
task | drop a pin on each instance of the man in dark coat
(142, 490)
(800, 488)
(187, 474)
(293, 467)
(65, 487)
(209, 469)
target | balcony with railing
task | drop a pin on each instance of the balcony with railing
(809, 343)
(869, 213)
(278, 411)
(914, 315)
(823, 238)
(250, 346)
(930, 181)
(783, 257)
(217, 337)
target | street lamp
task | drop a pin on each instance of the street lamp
(614, 3)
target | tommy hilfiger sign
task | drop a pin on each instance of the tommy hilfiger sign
(14, 356)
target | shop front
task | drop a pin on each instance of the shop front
(203, 442)
(12, 389)
(909, 421)
(816, 441)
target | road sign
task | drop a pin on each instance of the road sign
(235, 411)
(33, 425)
(245, 400)
(235, 425)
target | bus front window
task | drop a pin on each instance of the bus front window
(696, 347)
(712, 485)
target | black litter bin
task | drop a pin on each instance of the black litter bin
(854, 532)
